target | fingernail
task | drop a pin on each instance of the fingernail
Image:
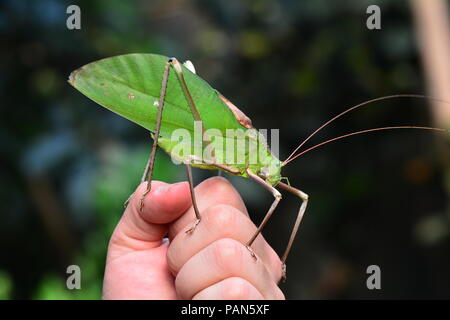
(166, 187)
(162, 189)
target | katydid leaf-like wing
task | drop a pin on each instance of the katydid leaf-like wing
(130, 85)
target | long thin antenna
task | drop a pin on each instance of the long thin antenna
(361, 132)
(358, 106)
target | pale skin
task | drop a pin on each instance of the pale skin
(210, 263)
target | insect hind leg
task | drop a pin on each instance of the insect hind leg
(148, 171)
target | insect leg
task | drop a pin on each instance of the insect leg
(187, 95)
(180, 75)
(277, 196)
(179, 71)
(148, 172)
(187, 163)
(194, 202)
(300, 214)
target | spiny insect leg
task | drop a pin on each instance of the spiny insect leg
(187, 95)
(188, 161)
(195, 113)
(300, 214)
(180, 75)
(194, 202)
(148, 172)
(277, 196)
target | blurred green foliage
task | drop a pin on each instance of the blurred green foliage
(67, 165)
(6, 286)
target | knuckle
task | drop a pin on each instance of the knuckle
(228, 253)
(275, 265)
(180, 290)
(172, 261)
(236, 288)
(218, 186)
(221, 217)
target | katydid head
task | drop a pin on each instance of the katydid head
(271, 171)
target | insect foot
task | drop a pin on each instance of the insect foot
(141, 201)
(191, 229)
(252, 253)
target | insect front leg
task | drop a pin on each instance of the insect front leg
(298, 220)
(277, 196)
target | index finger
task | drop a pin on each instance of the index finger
(213, 191)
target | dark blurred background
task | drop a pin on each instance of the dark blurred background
(67, 164)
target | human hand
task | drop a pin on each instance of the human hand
(210, 263)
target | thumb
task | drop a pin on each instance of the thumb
(144, 229)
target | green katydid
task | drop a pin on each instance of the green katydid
(162, 95)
